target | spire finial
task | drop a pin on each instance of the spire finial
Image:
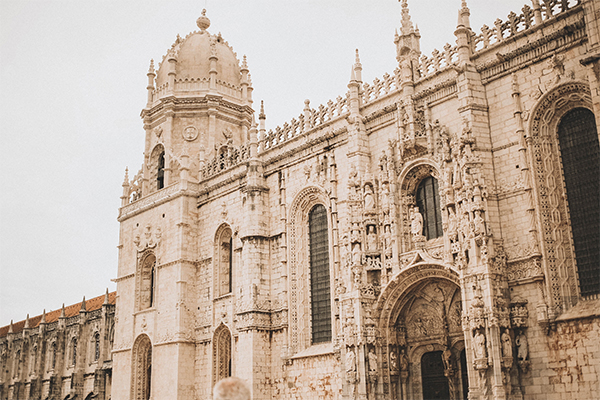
(357, 58)
(106, 297)
(43, 320)
(407, 25)
(62, 312)
(203, 22)
(261, 114)
(26, 326)
(244, 62)
(83, 304)
(126, 179)
(10, 328)
(151, 68)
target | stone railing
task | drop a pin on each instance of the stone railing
(516, 23)
(227, 158)
(381, 87)
(309, 119)
(438, 61)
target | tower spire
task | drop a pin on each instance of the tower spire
(407, 26)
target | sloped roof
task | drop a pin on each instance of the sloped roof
(70, 311)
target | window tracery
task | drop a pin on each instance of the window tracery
(141, 368)
(299, 267)
(548, 171)
(320, 283)
(146, 281)
(221, 354)
(223, 261)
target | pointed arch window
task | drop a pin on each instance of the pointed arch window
(74, 351)
(142, 368)
(428, 201)
(147, 277)
(96, 344)
(224, 264)
(320, 286)
(160, 179)
(221, 354)
(580, 153)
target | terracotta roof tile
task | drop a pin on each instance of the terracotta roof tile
(70, 311)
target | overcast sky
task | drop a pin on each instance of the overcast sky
(72, 85)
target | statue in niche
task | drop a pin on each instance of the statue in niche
(393, 361)
(353, 180)
(479, 223)
(447, 359)
(403, 361)
(369, 198)
(452, 224)
(355, 233)
(479, 339)
(371, 238)
(372, 362)
(416, 222)
(522, 347)
(356, 254)
(387, 237)
(506, 344)
(350, 361)
(385, 198)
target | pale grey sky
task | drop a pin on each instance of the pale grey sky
(72, 85)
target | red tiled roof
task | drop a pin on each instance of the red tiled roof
(70, 311)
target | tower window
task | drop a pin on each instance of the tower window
(428, 201)
(580, 152)
(225, 262)
(160, 178)
(319, 275)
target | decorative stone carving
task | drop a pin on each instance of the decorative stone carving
(148, 240)
(190, 133)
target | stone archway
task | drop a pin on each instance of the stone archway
(420, 315)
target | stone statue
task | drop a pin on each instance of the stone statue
(350, 361)
(452, 224)
(479, 345)
(356, 254)
(522, 347)
(416, 222)
(372, 362)
(447, 359)
(371, 238)
(369, 198)
(506, 344)
(479, 223)
(393, 361)
(385, 198)
(387, 237)
(403, 362)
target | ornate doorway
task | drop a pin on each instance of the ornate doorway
(435, 383)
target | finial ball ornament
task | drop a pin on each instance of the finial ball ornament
(203, 22)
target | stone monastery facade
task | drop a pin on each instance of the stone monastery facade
(63, 354)
(433, 234)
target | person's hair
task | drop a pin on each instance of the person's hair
(231, 389)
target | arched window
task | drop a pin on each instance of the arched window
(221, 354)
(141, 364)
(96, 344)
(160, 179)
(53, 356)
(147, 275)
(74, 351)
(580, 153)
(224, 264)
(320, 292)
(428, 201)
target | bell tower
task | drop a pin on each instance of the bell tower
(197, 121)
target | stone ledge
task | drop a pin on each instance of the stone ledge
(583, 309)
(315, 350)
